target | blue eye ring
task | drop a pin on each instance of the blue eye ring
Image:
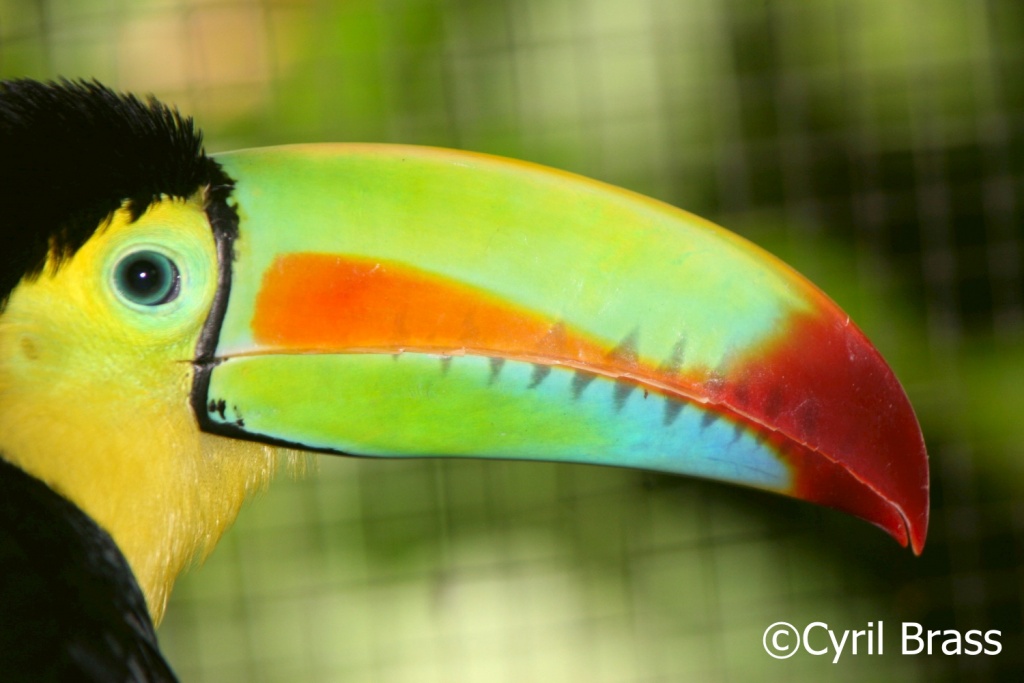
(147, 278)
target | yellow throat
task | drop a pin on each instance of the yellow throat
(94, 397)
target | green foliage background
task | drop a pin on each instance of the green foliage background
(875, 145)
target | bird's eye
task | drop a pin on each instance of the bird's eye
(147, 278)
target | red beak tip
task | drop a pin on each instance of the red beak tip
(918, 533)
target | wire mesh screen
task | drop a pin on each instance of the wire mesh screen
(877, 146)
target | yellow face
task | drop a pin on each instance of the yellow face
(95, 376)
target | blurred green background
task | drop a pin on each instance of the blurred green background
(875, 145)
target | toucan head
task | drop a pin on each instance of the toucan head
(172, 320)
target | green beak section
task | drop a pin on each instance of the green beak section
(398, 301)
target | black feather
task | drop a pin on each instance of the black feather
(70, 608)
(73, 153)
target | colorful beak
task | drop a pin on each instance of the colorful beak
(401, 301)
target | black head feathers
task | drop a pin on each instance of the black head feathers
(71, 153)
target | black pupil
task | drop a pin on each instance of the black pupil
(148, 278)
(145, 277)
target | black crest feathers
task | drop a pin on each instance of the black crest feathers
(73, 152)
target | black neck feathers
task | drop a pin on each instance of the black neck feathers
(72, 610)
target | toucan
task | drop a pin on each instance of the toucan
(173, 323)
